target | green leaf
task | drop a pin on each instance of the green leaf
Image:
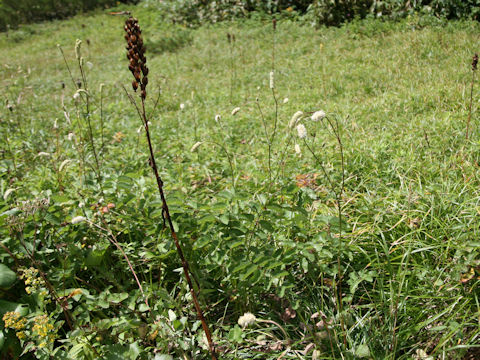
(117, 297)
(7, 276)
(362, 351)
(235, 334)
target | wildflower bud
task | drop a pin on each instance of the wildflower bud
(144, 94)
(134, 85)
(78, 44)
(272, 80)
(145, 81)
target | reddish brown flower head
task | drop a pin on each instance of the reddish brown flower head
(136, 56)
(475, 62)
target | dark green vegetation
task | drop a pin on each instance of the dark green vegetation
(257, 241)
(15, 12)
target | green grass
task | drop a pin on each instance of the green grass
(401, 94)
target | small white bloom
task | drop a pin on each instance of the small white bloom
(70, 136)
(7, 194)
(55, 125)
(182, 106)
(272, 80)
(102, 85)
(217, 118)
(195, 146)
(285, 100)
(302, 131)
(76, 96)
(318, 115)
(43, 153)
(78, 219)
(89, 65)
(297, 149)
(236, 110)
(81, 204)
(295, 118)
(246, 320)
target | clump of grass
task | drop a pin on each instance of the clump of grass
(138, 67)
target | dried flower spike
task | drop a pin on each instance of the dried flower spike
(475, 62)
(136, 56)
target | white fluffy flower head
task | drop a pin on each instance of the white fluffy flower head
(236, 110)
(272, 80)
(217, 118)
(246, 320)
(297, 149)
(196, 146)
(302, 131)
(318, 115)
(78, 219)
(182, 106)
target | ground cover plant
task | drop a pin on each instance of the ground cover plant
(321, 183)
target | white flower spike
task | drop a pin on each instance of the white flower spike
(235, 111)
(195, 146)
(295, 118)
(302, 131)
(78, 220)
(318, 115)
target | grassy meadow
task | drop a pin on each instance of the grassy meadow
(255, 206)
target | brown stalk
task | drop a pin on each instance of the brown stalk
(474, 69)
(136, 56)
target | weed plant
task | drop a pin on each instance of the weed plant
(379, 262)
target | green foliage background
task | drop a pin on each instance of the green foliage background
(15, 12)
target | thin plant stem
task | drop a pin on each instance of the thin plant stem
(470, 106)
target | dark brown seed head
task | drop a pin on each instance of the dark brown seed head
(475, 62)
(134, 85)
(274, 22)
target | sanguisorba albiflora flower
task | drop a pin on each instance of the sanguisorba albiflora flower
(302, 131)
(196, 146)
(78, 220)
(295, 118)
(272, 80)
(246, 320)
(297, 149)
(217, 118)
(318, 115)
(235, 111)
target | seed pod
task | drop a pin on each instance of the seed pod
(134, 85)
(144, 70)
(145, 81)
(144, 94)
